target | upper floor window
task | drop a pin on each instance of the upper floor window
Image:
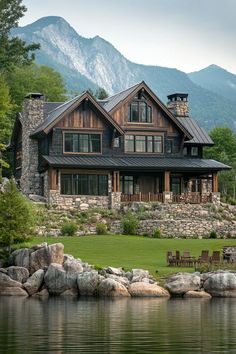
(140, 112)
(144, 143)
(194, 151)
(82, 143)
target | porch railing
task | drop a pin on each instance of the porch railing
(192, 198)
(141, 197)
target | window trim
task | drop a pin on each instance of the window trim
(146, 135)
(88, 132)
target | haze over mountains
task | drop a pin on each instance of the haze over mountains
(91, 62)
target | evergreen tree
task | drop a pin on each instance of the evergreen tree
(16, 217)
(5, 110)
(101, 94)
(13, 50)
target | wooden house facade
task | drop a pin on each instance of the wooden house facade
(127, 148)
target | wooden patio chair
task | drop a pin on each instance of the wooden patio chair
(186, 259)
(170, 259)
(177, 258)
(215, 258)
(204, 258)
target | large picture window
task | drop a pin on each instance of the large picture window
(140, 112)
(144, 143)
(82, 143)
(127, 184)
(83, 184)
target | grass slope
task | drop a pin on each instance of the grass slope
(132, 251)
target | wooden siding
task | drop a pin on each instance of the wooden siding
(81, 118)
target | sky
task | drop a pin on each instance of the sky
(184, 34)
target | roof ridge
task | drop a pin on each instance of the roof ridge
(122, 91)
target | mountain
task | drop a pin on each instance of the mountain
(216, 79)
(92, 62)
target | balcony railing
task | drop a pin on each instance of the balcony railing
(191, 198)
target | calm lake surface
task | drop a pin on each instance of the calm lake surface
(118, 326)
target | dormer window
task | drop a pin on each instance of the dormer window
(140, 111)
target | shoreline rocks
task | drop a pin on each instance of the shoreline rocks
(44, 270)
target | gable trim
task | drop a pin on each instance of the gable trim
(160, 104)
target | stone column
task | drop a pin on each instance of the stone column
(31, 118)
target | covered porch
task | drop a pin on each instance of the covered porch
(165, 187)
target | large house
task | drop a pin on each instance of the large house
(127, 148)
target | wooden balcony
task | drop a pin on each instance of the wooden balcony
(191, 198)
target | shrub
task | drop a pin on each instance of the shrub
(101, 228)
(17, 217)
(156, 233)
(213, 234)
(130, 224)
(69, 229)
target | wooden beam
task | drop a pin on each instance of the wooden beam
(167, 181)
(118, 181)
(114, 181)
(214, 182)
(53, 179)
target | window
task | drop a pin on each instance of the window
(75, 184)
(169, 146)
(129, 143)
(139, 111)
(185, 151)
(144, 143)
(116, 142)
(175, 185)
(194, 151)
(127, 184)
(82, 143)
(140, 143)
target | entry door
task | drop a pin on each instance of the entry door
(175, 185)
(146, 184)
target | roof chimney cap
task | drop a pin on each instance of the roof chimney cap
(35, 96)
(178, 97)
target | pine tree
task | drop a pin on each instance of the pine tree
(17, 220)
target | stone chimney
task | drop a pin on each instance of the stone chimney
(32, 116)
(178, 104)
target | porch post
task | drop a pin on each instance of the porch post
(214, 182)
(115, 195)
(114, 181)
(167, 195)
(167, 181)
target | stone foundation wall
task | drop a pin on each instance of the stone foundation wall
(185, 220)
(81, 202)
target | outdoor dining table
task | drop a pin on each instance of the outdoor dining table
(188, 261)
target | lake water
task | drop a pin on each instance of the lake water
(117, 326)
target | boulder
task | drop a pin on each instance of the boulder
(143, 289)
(123, 280)
(73, 266)
(12, 291)
(115, 271)
(112, 288)
(8, 282)
(221, 284)
(139, 274)
(44, 256)
(20, 258)
(180, 283)
(88, 283)
(38, 246)
(35, 282)
(56, 279)
(3, 270)
(196, 295)
(19, 274)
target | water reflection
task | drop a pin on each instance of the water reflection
(119, 326)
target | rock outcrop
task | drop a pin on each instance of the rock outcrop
(143, 289)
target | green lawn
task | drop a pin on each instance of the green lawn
(132, 251)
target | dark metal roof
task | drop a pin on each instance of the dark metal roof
(114, 100)
(200, 136)
(128, 162)
(49, 107)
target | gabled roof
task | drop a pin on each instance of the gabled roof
(136, 162)
(60, 111)
(200, 136)
(115, 101)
